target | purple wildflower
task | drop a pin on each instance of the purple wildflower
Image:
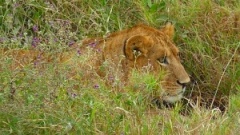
(35, 28)
(79, 52)
(98, 50)
(2, 40)
(20, 34)
(111, 78)
(39, 57)
(73, 95)
(55, 39)
(96, 86)
(35, 63)
(71, 43)
(16, 5)
(93, 44)
(35, 41)
(37, 60)
(66, 22)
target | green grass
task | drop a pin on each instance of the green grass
(36, 101)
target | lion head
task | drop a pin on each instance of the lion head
(142, 46)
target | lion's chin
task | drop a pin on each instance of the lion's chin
(174, 98)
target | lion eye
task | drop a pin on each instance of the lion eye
(163, 60)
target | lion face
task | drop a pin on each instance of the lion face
(166, 58)
(145, 46)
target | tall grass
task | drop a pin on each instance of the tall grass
(46, 101)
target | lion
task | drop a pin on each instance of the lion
(142, 46)
(134, 48)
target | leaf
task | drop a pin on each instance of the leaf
(157, 7)
(149, 3)
(153, 8)
(162, 18)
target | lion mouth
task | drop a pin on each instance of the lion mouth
(172, 98)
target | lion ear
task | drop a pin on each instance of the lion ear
(138, 43)
(169, 29)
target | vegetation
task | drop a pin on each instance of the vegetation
(34, 101)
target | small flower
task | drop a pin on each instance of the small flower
(99, 50)
(111, 78)
(79, 52)
(96, 86)
(35, 28)
(66, 22)
(16, 5)
(73, 95)
(55, 39)
(39, 57)
(35, 41)
(2, 40)
(71, 43)
(93, 44)
(20, 35)
(36, 61)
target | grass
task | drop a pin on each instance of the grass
(42, 101)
